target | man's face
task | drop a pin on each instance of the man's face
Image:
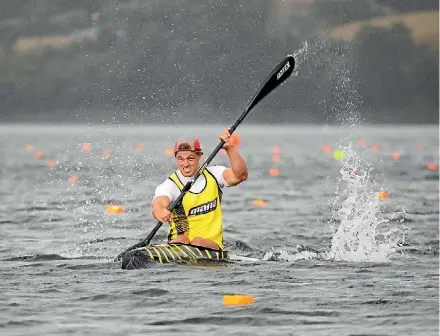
(188, 162)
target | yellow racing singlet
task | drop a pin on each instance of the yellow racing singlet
(199, 214)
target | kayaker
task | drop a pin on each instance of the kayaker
(198, 219)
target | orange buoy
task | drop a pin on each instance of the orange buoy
(235, 139)
(274, 172)
(432, 166)
(259, 202)
(39, 155)
(169, 152)
(395, 156)
(95, 16)
(327, 148)
(419, 147)
(51, 163)
(140, 147)
(115, 209)
(362, 142)
(237, 300)
(29, 148)
(374, 148)
(275, 158)
(383, 195)
(73, 179)
(86, 147)
(276, 150)
(105, 154)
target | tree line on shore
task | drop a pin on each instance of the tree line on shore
(156, 58)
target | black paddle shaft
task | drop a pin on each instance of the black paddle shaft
(278, 75)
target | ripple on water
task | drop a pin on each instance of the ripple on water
(97, 297)
(267, 310)
(150, 292)
(238, 320)
(21, 323)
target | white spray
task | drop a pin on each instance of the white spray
(363, 235)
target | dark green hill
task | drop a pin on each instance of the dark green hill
(70, 59)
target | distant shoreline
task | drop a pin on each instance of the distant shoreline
(198, 124)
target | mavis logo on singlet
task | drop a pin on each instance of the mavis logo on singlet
(203, 208)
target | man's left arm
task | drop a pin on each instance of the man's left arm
(238, 172)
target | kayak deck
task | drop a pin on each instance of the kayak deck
(171, 253)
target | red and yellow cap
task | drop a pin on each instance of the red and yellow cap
(192, 145)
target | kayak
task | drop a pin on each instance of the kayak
(171, 253)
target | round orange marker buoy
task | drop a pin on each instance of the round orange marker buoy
(374, 148)
(105, 154)
(51, 163)
(73, 179)
(419, 147)
(237, 300)
(259, 202)
(432, 166)
(86, 147)
(95, 16)
(275, 158)
(395, 156)
(235, 139)
(274, 172)
(383, 195)
(362, 142)
(115, 209)
(357, 172)
(169, 152)
(140, 147)
(276, 150)
(327, 148)
(39, 155)
(29, 148)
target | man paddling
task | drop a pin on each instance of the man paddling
(198, 219)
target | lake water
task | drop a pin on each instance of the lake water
(335, 259)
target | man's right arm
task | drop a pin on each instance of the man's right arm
(160, 208)
(163, 196)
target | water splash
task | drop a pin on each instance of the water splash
(301, 252)
(301, 55)
(363, 235)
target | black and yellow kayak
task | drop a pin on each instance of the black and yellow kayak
(171, 253)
